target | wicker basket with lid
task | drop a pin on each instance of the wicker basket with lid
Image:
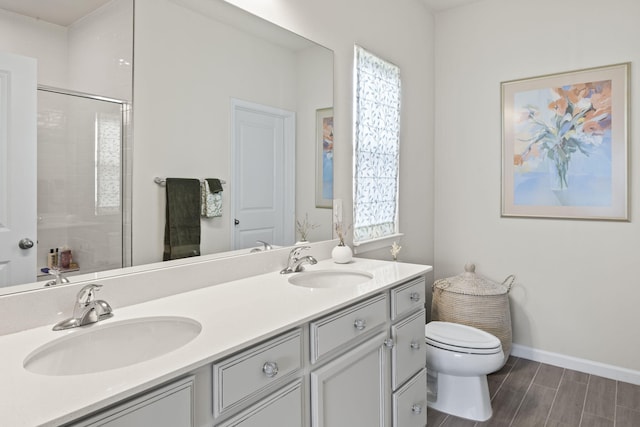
(473, 300)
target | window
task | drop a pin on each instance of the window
(108, 157)
(376, 147)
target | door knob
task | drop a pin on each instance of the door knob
(25, 243)
(236, 222)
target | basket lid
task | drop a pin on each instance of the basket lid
(470, 283)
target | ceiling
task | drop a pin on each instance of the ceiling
(66, 12)
(61, 12)
(438, 5)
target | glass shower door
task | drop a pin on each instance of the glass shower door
(80, 182)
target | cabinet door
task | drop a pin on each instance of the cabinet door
(352, 390)
(409, 353)
(169, 406)
(283, 408)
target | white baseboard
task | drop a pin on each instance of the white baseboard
(577, 364)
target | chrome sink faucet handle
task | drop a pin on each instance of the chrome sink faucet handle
(88, 294)
(294, 255)
(266, 246)
(85, 304)
(59, 278)
(87, 309)
(295, 261)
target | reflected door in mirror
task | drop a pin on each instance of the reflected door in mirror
(263, 141)
(17, 182)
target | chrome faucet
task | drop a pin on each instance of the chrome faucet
(265, 247)
(87, 309)
(59, 278)
(295, 262)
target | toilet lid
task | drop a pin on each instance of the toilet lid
(461, 338)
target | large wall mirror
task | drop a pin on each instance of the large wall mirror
(201, 90)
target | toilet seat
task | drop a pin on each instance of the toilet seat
(460, 338)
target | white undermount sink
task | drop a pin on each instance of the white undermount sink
(330, 278)
(101, 347)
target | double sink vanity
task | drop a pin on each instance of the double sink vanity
(334, 345)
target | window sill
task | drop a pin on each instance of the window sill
(375, 244)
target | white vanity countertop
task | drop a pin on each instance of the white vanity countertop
(233, 315)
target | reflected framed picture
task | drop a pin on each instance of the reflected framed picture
(565, 145)
(324, 158)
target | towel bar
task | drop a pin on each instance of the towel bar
(163, 181)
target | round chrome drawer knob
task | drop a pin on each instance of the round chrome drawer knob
(416, 409)
(415, 296)
(360, 324)
(415, 345)
(270, 369)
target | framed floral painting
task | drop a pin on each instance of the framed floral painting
(565, 145)
(324, 158)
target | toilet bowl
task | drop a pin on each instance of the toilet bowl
(459, 357)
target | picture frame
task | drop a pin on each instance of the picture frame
(565, 145)
(324, 158)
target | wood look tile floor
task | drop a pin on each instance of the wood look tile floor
(533, 394)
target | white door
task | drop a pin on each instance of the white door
(18, 164)
(263, 179)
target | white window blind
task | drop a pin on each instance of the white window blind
(108, 158)
(376, 147)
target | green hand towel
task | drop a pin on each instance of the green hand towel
(182, 226)
(215, 186)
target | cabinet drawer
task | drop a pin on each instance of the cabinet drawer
(410, 403)
(242, 376)
(409, 354)
(282, 408)
(339, 328)
(167, 406)
(407, 298)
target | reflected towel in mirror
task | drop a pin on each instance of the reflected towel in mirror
(211, 198)
(182, 226)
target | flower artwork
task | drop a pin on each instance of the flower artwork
(564, 144)
(557, 124)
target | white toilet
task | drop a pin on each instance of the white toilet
(459, 357)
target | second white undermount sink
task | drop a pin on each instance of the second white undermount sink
(330, 278)
(101, 347)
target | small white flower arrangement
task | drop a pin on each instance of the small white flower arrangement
(395, 250)
(304, 227)
(341, 232)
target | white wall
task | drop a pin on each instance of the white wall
(576, 292)
(314, 91)
(84, 56)
(399, 31)
(101, 51)
(37, 39)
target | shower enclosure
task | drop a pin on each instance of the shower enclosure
(82, 170)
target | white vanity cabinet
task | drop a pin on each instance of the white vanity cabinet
(379, 380)
(362, 365)
(167, 406)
